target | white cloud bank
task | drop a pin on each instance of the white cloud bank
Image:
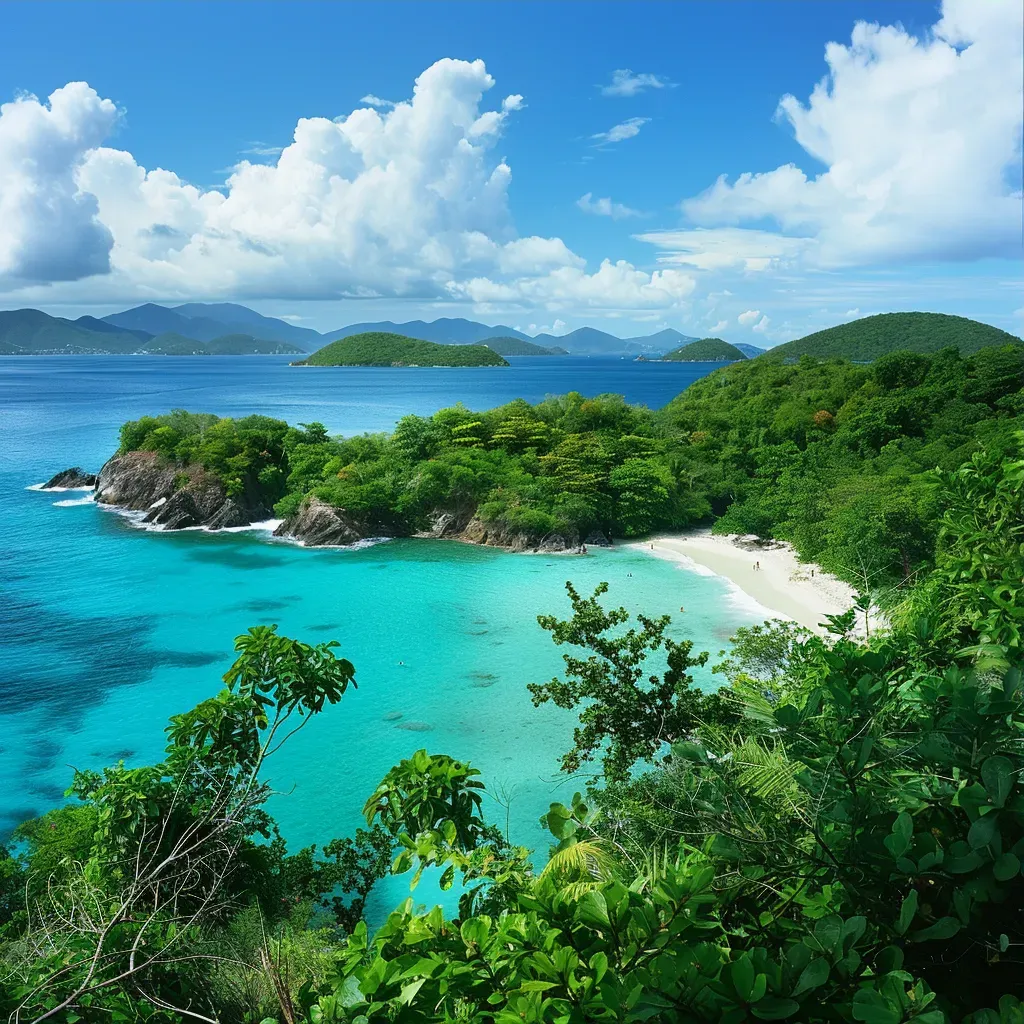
(921, 140)
(393, 201)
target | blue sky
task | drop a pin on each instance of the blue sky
(897, 188)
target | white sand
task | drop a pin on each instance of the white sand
(783, 584)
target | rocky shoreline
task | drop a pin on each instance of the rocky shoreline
(176, 497)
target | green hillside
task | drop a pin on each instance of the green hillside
(707, 350)
(506, 346)
(32, 332)
(866, 339)
(28, 332)
(379, 348)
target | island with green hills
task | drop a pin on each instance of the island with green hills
(379, 348)
(706, 350)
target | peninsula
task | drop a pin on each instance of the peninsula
(832, 456)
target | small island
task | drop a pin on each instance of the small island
(380, 348)
(707, 350)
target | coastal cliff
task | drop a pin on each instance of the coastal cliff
(173, 496)
(176, 496)
(318, 524)
(471, 529)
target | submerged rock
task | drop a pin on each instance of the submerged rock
(317, 524)
(73, 478)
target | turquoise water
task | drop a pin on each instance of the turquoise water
(106, 630)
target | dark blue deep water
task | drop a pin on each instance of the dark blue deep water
(106, 630)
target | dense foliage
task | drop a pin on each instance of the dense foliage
(874, 336)
(378, 348)
(829, 455)
(706, 350)
(836, 835)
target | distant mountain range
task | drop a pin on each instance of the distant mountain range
(196, 326)
(29, 331)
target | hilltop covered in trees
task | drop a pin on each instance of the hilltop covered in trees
(707, 350)
(832, 456)
(874, 336)
(378, 348)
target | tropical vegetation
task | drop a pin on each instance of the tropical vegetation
(873, 336)
(706, 350)
(835, 835)
(832, 456)
(378, 348)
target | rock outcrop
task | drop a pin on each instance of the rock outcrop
(71, 479)
(472, 530)
(477, 531)
(172, 496)
(317, 524)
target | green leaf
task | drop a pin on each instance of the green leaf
(741, 973)
(774, 1008)
(983, 831)
(872, 1008)
(593, 908)
(814, 975)
(998, 775)
(888, 959)
(828, 932)
(907, 911)
(1006, 867)
(944, 928)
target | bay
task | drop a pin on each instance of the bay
(106, 630)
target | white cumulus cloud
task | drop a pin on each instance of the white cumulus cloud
(50, 228)
(748, 317)
(605, 207)
(391, 200)
(721, 325)
(921, 140)
(625, 83)
(612, 287)
(762, 325)
(376, 101)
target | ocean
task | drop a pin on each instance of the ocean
(107, 629)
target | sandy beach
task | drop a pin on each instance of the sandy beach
(783, 584)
